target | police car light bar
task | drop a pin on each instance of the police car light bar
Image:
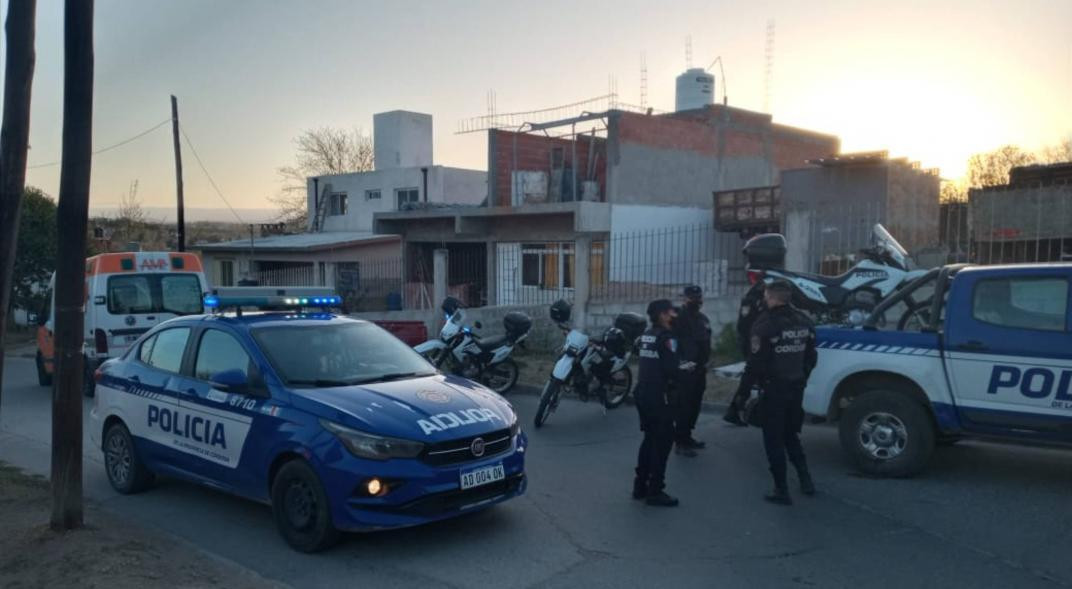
(271, 297)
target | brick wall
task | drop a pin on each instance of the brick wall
(509, 151)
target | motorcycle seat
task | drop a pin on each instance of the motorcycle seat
(827, 280)
(491, 343)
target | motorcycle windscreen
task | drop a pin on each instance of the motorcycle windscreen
(884, 240)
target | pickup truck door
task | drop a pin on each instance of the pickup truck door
(1008, 345)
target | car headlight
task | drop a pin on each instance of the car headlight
(515, 426)
(365, 445)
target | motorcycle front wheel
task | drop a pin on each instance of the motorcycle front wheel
(618, 387)
(501, 377)
(548, 400)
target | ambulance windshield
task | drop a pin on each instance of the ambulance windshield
(154, 293)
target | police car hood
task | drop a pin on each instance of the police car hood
(428, 409)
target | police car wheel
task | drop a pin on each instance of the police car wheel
(887, 433)
(126, 472)
(301, 508)
(501, 377)
(43, 377)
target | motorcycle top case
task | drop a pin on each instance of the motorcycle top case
(517, 323)
(631, 324)
(766, 251)
(561, 311)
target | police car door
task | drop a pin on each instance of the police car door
(147, 396)
(1009, 355)
(221, 415)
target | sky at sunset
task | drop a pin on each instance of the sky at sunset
(934, 81)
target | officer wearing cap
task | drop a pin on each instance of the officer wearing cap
(693, 332)
(658, 369)
(781, 356)
(752, 308)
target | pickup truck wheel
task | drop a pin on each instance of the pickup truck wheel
(885, 433)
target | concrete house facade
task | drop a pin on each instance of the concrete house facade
(561, 200)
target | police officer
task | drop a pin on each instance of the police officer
(693, 332)
(752, 307)
(659, 368)
(781, 356)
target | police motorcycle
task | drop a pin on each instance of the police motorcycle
(847, 299)
(483, 359)
(591, 366)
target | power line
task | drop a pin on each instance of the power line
(212, 182)
(110, 147)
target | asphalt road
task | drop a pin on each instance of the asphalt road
(984, 515)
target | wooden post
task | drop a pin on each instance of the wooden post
(14, 140)
(181, 216)
(71, 264)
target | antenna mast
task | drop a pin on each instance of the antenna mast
(768, 72)
(643, 81)
(688, 52)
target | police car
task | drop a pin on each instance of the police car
(334, 422)
(983, 351)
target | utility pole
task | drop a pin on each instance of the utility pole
(14, 141)
(181, 216)
(71, 217)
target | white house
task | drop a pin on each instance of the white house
(339, 247)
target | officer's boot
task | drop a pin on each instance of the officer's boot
(661, 499)
(732, 414)
(779, 495)
(640, 488)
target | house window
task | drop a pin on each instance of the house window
(372, 195)
(337, 204)
(405, 196)
(226, 273)
(546, 265)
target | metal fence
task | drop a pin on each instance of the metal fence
(298, 275)
(660, 263)
(535, 273)
(1012, 225)
(371, 285)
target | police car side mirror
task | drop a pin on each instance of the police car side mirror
(231, 381)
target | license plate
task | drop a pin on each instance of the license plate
(483, 476)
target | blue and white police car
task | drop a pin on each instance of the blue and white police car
(332, 421)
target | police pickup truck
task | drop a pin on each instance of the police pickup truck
(979, 352)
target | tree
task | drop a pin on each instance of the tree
(992, 168)
(952, 191)
(36, 249)
(72, 215)
(14, 141)
(1057, 154)
(320, 152)
(130, 217)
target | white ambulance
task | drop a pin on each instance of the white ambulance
(125, 295)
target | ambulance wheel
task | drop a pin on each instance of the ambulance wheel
(43, 378)
(886, 433)
(301, 508)
(126, 472)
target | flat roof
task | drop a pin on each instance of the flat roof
(299, 241)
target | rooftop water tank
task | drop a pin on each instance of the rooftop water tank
(695, 89)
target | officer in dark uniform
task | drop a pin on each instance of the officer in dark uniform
(781, 356)
(693, 332)
(659, 368)
(752, 307)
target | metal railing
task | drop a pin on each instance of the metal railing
(654, 264)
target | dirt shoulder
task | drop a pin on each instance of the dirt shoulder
(107, 553)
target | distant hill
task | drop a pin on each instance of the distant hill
(167, 214)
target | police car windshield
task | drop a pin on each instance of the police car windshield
(338, 355)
